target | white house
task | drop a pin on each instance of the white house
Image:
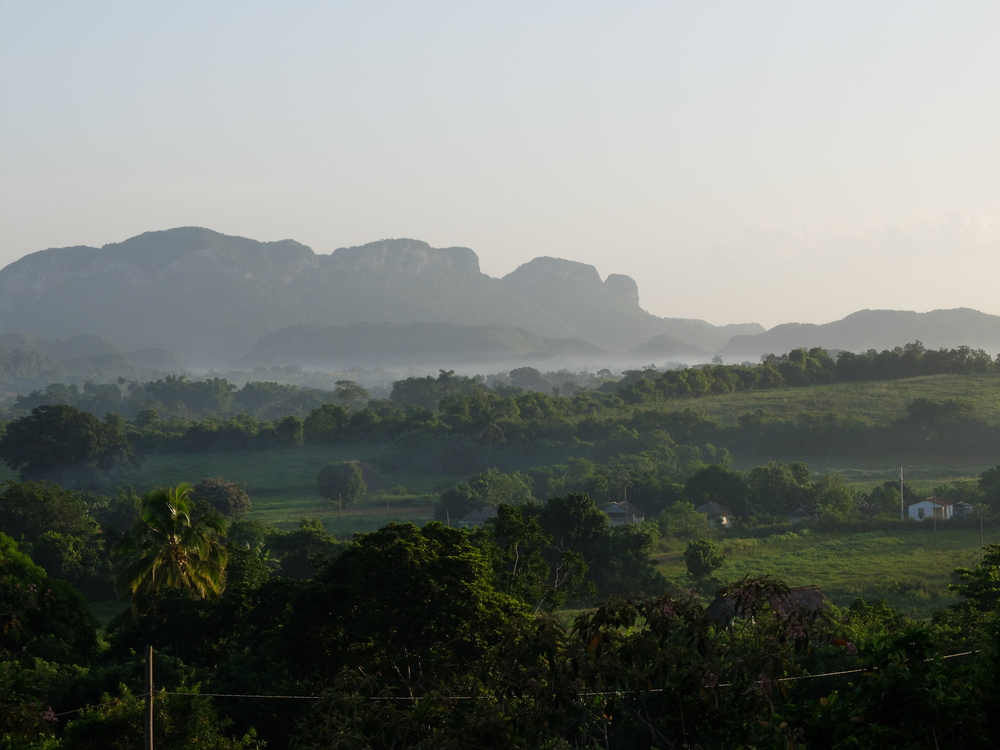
(931, 507)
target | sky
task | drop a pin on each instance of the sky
(760, 162)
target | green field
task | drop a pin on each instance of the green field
(874, 403)
(910, 567)
(282, 484)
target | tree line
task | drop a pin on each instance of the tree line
(803, 367)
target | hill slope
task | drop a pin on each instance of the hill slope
(875, 329)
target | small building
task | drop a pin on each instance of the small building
(718, 515)
(624, 512)
(931, 507)
(477, 517)
(961, 509)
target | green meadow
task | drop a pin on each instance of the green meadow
(910, 567)
(282, 484)
(870, 402)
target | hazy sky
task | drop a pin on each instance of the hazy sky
(743, 161)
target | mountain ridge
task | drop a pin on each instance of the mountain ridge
(875, 329)
(211, 297)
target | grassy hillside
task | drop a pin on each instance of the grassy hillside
(874, 403)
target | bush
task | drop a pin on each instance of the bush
(228, 498)
(341, 481)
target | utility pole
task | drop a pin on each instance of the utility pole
(149, 698)
(901, 505)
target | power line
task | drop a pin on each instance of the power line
(584, 694)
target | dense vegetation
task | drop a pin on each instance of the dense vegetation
(432, 636)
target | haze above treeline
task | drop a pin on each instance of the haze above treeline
(194, 299)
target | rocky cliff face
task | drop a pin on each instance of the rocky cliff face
(624, 287)
(210, 297)
(409, 257)
(546, 271)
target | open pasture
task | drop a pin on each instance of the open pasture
(870, 402)
(282, 485)
(910, 567)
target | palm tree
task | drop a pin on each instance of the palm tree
(171, 547)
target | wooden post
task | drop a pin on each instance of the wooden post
(149, 698)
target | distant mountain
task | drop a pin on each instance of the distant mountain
(28, 363)
(874, 329)
(442, 345)
(210, 297)
(671, 349)
(88, 347)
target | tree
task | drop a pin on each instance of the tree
(516, 546)
(530, 379)
(323, 424)
(35, 609)
(702, 559)
(289, 431)
(30, 509)
(187, 720)
(717, 484)
(404, 602)
(981, 585)
(778, 489)
(682, 521)
(989, 485)
(833, 502)
(301, 553)
(489, 487)
(170, 547)
(228, 498)
(61, 438)
(350, 394)
(342, 481)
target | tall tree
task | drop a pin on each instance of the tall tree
(170, 547)
(350, 394)
(59, 438)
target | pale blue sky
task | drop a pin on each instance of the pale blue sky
(766, 161)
